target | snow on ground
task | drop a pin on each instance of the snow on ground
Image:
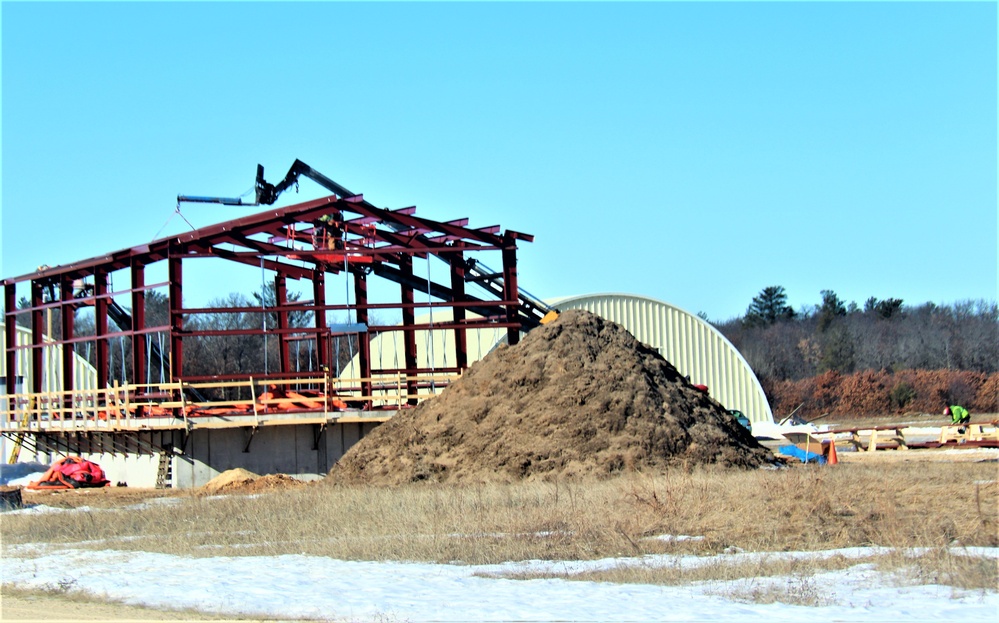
(328, 589)
(21, 474)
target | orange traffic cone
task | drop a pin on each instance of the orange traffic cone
(832, 459)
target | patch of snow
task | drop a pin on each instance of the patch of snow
(42, 509)
(21, 474)
(673, 538)
(293, 586)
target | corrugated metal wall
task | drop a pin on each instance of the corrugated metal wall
(692, 345)
(85, 374)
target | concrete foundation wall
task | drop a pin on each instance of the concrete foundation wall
(303, 451)
(288, 449)
(131, 460)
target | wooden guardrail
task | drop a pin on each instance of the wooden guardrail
(128, 404)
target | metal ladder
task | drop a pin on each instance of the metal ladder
(15, 453)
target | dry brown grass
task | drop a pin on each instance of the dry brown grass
(717, 569)
(803, 508)
(936, 566)
(63, 602)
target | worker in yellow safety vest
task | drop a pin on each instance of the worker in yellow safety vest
(958, 414)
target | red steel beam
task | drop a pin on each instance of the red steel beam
(319, 315)
(36, 337)
(293, 307)
(176, 296)
(90, 338)
(68, 312)
(408, 320)
(363, 341)
(138, 322)
(101, 325)
(458, 313)
(281, 297)
(510, 290)
(10, 334)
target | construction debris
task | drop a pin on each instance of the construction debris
(71, 472)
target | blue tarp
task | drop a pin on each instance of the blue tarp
(804, 457)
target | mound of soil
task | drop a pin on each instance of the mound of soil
(272, 481)
(229, 479)
(577, 397)
(240, 480)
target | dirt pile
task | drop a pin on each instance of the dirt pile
(577, 397)
(240, 480)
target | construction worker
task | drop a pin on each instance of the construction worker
(958, 414)
(332, 225)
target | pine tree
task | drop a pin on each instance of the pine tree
(768, 307)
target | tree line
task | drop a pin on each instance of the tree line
(879, 357)
(782, 344)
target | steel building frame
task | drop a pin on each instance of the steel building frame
(305, 241)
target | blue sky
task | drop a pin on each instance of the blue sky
(691, 152)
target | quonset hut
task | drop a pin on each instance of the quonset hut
(693, 346)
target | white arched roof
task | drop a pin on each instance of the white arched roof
(692, 345)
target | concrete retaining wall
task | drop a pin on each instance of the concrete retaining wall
(303, 451)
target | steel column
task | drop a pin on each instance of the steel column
(281, 298)
(68, 349)
(319, 315)
(176, 278)
(101, 325)
(363, 339)
(37, 331)
(10, 333)
(138, 322)
(458, 313)
(511, 292)
(408, 320)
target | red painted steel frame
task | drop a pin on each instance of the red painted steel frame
(304, 241)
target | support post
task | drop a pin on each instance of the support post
(10, 333)
(511, 292)
(363, 339)
(319, 301)
(176, 278)
(409, 334)
(101, 326)
(281, 298)
(458, 313)
(37, 331)
(138, 323)
(68, 360)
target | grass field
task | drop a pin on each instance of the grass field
(768, 537)
(932, 505)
